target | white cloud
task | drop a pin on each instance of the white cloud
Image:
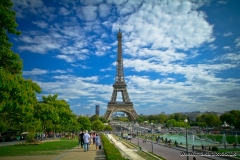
(227, 47)
(91, 2)
(67, 58)
(237, 41)
(88, 13)
(26, 7)
(129, 7)
(35, 71)
(222, 2)
(39, 44)
(80, 65)
(106, 69)
(233, 57)
(64, 11)
(61, 71)
(212, 47)
(227, 34)
(166, 25)
(104, 10)
(41, 24)
(116, 2)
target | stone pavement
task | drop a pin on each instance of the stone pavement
(78, 153)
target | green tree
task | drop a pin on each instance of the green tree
(84, 122)
(94, 118)
(9, 61)
(62, 112)
(232, 118)
(97, 125)
(102, 119)
(17, 95)
(45, 113)
(162, 118)
(108, 128)
(210, 119)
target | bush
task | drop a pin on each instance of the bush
(30, 137)
(214, 148)
(110, 150)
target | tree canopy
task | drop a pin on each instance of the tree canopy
(17, 95)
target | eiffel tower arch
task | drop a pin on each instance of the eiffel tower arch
(126, 105)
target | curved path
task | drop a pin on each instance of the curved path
(172, 153)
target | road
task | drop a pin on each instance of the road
(170, 153)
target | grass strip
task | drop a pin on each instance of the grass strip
(46, 148)
(111, 152)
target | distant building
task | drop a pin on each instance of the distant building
(97, 110)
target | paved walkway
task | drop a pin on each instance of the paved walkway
(78, 153)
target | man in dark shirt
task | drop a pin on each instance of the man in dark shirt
(81, 139)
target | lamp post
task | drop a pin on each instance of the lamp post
(152, 137)
(130, 128)
(186, 121)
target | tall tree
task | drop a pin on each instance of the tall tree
(232, 118)
(84, 122)
(17, 95)
(9, 61)
(97, 125)
(210, 119)
(94, 118)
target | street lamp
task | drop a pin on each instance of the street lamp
(152, 137)
(186, 121)
(130, 128)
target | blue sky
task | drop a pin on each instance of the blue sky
(179, 56)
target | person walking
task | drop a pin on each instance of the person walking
(86, 138)
(81, 139)
(97, 141)
(90, 140)
(94, 136)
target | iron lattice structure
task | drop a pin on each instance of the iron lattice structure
(126, 105)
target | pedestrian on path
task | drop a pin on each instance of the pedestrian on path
(97, 141)
(90, 140)
(86, 138)
(94, 136)
(81, 139)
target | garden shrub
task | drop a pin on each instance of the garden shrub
(214, 148)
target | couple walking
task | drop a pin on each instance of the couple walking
(86, 140)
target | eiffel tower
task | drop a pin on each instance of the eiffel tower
(126, 105)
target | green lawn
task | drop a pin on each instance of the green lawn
(46, 148)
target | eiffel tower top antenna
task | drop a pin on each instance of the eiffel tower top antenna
(119, 26)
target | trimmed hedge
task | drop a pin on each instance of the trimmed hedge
(111, 152)
(214, 148)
